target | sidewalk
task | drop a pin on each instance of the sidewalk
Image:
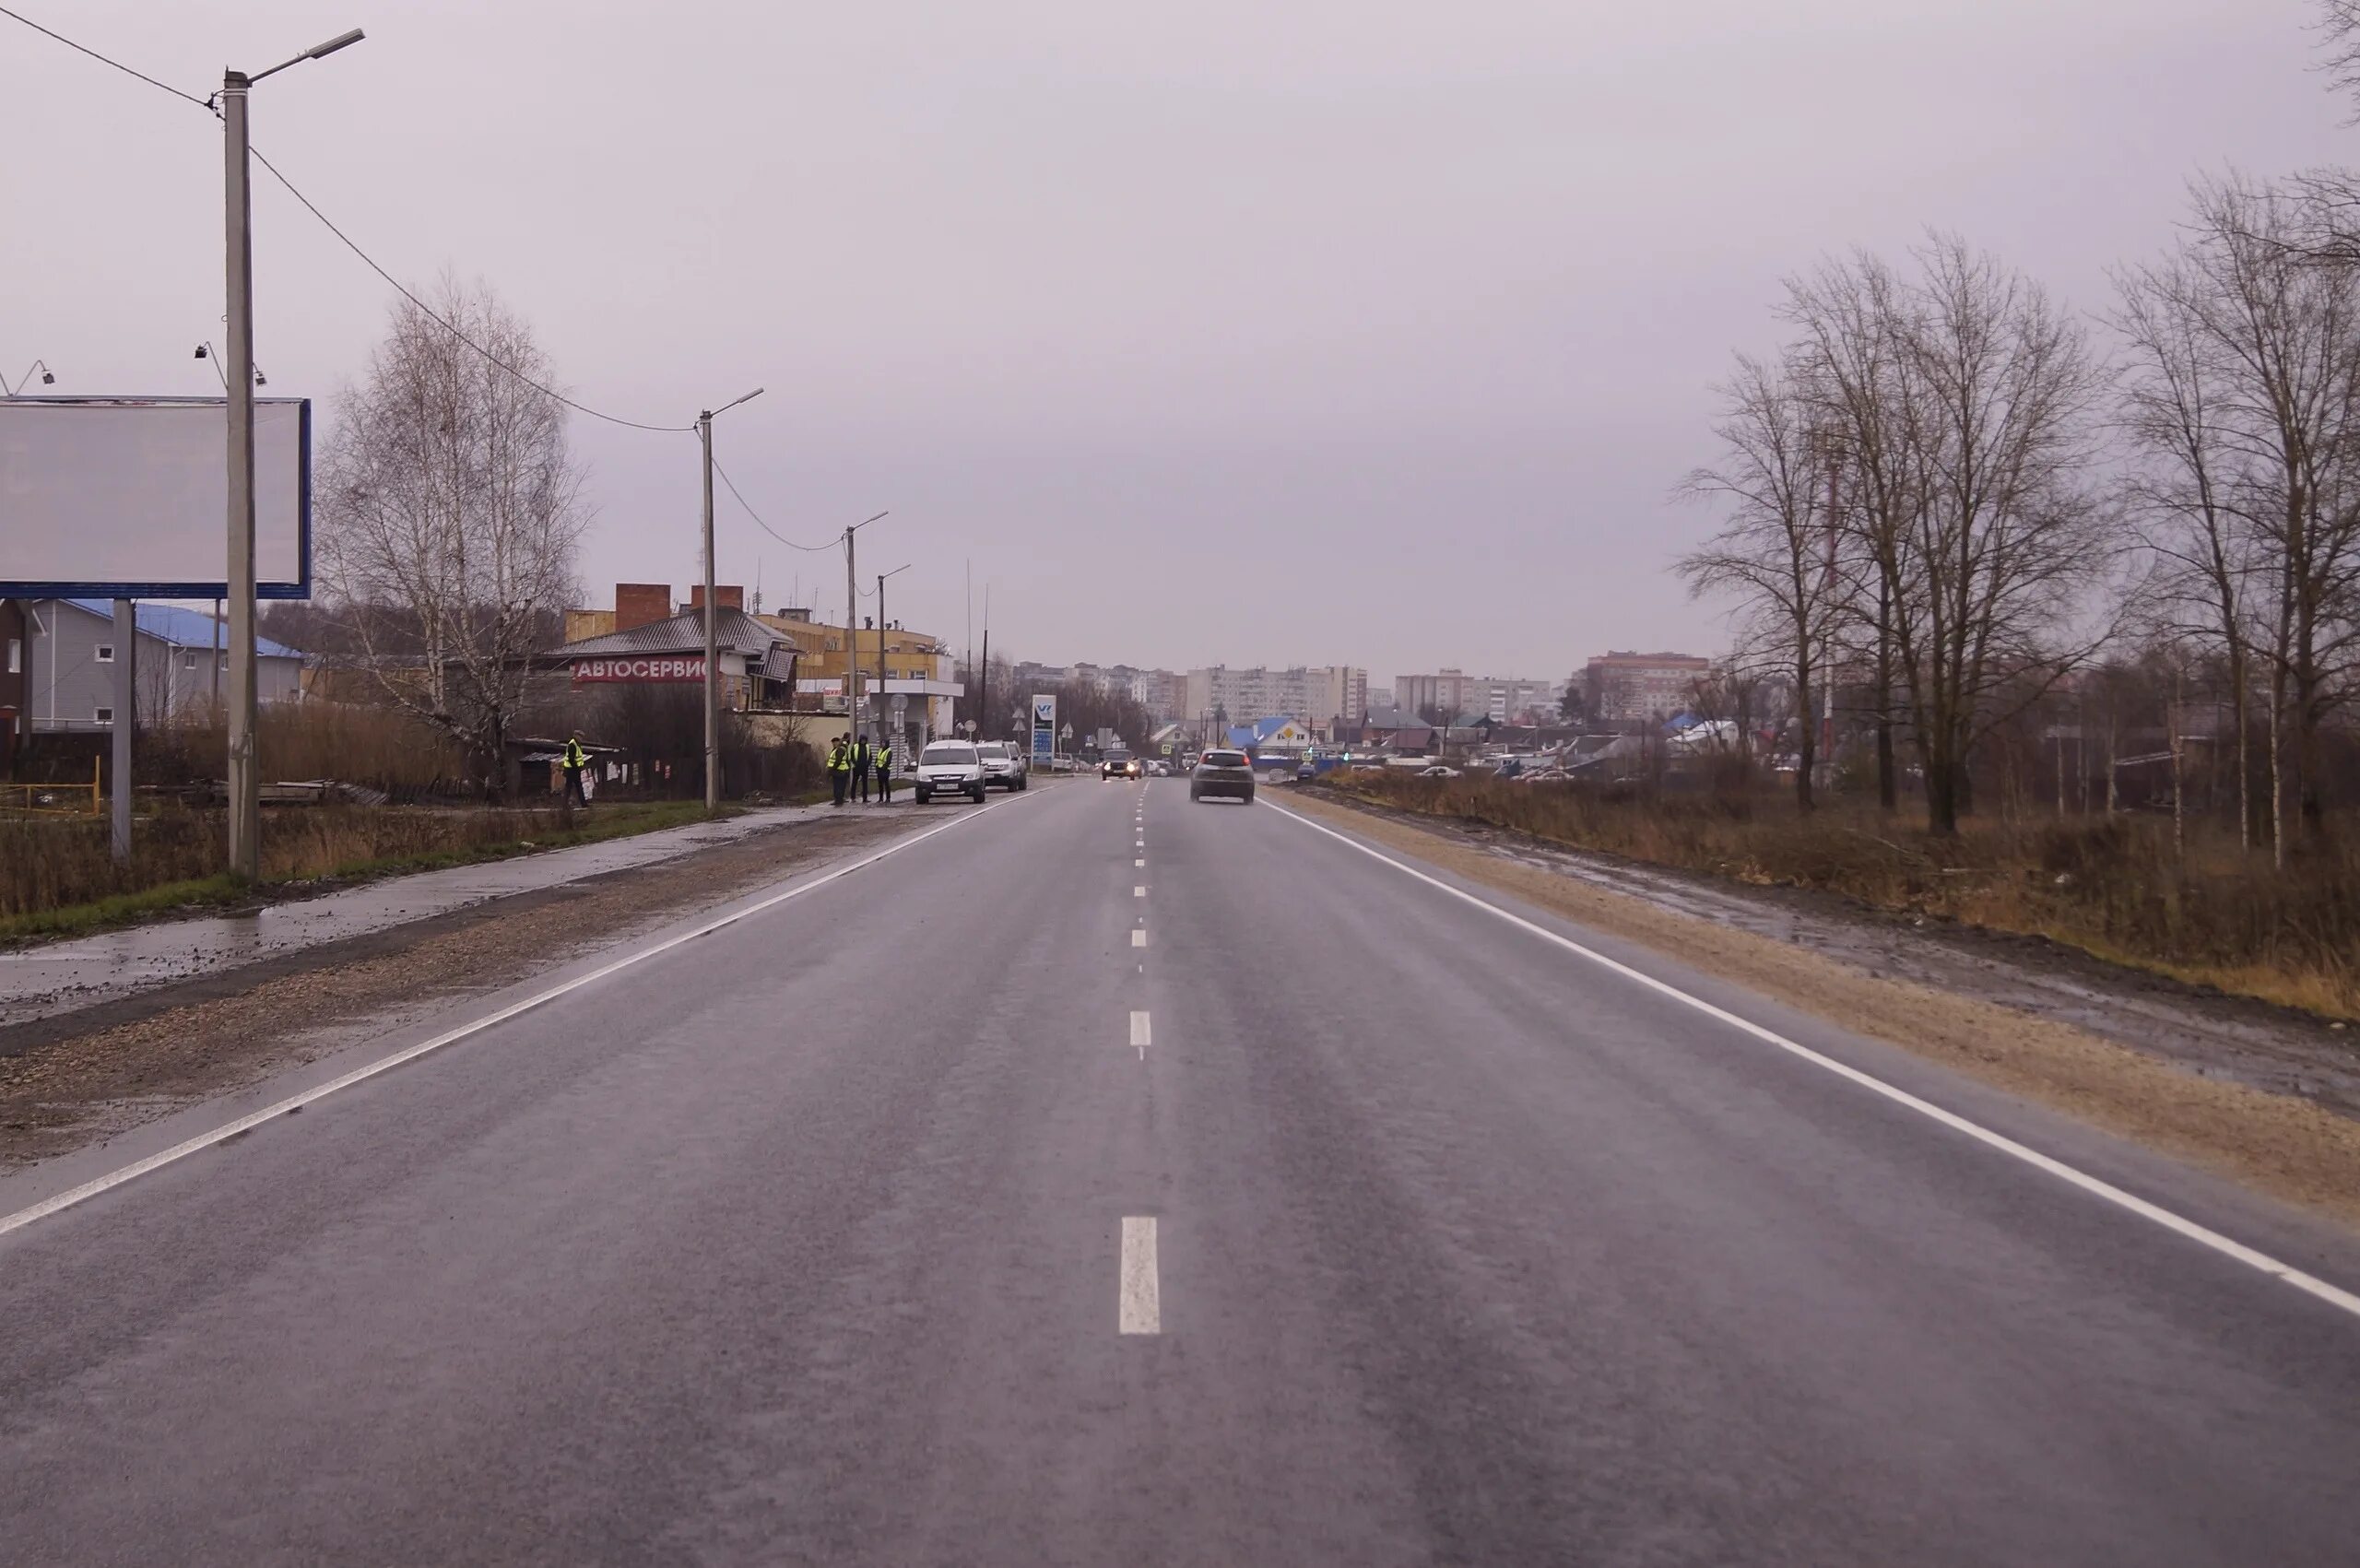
(58, 977)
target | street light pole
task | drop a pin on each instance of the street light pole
(852, 634)
(884, 676)
(712, 638)
(245, 793)
(712, 641)
(237, 212)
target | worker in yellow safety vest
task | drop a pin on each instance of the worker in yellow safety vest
(885, 773)
(573, 759)
(839, 768)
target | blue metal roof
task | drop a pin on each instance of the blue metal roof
(183, 627)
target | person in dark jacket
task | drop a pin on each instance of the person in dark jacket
(860, 765)
(574, 761)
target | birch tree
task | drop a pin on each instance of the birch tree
(449, 515)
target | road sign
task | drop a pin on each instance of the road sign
(125, 497)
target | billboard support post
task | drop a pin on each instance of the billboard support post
(126, 687)
(245, 793)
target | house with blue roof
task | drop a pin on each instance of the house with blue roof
(66, 662)
(1279, 736)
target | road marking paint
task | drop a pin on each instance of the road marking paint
(1139, 1029)
(1139, 1307)
(1138, 938)
(1135, 863)
(181, 1150)
(1138, 893)
(2177, 1224)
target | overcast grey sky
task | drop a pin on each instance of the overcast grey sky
(1292, 331)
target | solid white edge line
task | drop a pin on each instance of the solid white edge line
(2180, 1224)
(1139, 1307)
(203, 1140)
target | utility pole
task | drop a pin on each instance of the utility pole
(126, 694)
(246, 789)
(712, 642)
(237, 213)
(852, 642)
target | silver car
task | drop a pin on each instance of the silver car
(1221, 773)
(1004, 765)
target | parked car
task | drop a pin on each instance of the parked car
(1004, 765)
(1438, 771)
(951, 767)
(1227, 773)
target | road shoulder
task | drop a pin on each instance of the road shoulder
(76, 1079)
(2287, 1147)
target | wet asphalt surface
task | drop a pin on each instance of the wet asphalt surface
(806, 1241)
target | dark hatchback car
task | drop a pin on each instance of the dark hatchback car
(1222, 773)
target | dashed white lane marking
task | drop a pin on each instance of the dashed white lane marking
(1139, 1307)
(1140, 1030)
(1142, 861)
(2156, 1213)
(181, 1150)
(1138, 893)
(1138, 938)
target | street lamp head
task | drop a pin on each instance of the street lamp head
(46, 378)
(341, 41)
(200, 352)
(260, 379)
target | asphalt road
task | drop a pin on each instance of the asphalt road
(930, 1217)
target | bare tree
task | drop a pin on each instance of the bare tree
(2184, 477)
(2272, 326)
(1853, 359)
(1963, 397)
(1777, 554)
(450, 514)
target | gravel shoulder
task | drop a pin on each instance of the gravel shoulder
(81, 1077)
(2268, 1096)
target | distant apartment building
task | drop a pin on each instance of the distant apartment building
(1317, 694)
(1623, 687)
(1454, 694)
(1160, 691)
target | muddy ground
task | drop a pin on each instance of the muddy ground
(86, 1075)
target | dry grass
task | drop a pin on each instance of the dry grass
(2107, 885)
(57, 875)
(380, 747)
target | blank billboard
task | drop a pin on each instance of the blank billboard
(126, 498)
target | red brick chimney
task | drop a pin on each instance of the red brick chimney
(723, 597)
(639, 604)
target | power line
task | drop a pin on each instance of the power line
(765, 527)
(367, 260)
(83, 48)
(443, 321)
